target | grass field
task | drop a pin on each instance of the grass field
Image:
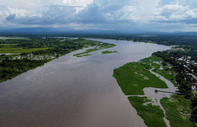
(178, 111)
(155, 62)
(166, 74)
(20, 50)
(152, 115)
(134, 77)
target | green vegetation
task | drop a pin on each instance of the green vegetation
(182, 78)
(109, 52)
(87, 43)
(19, 50)
(178, 111)
(194, 109)
(12, 68)
(167, 73)
(152, 115)
(99, 46)
(134, 77)
(106, 46)
(85, 53)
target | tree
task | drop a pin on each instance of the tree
(188, 94)
(194, 115)
(194, 102)
(182, 91)
(164, 63)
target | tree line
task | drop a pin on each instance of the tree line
(183, 80)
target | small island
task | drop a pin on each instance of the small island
(109, 52)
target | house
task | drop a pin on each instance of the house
(192, 88)
(180, 59)
(189, 57)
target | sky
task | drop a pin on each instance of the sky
(117, 15)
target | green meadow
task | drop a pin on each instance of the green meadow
(178, 111)
(135, 76)
(167, 74)
(156, 62)
(20, 50)
(152, 115)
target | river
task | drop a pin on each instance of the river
(74, 91)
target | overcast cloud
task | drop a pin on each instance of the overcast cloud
(128, 15)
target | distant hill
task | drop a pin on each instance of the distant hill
(88, 31)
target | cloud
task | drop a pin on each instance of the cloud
(177, 12)
(63, 6)
(22, 4)
(107, 11)
(173, 8)
(54, 14)
(11, 17)
(106, 14)
(99, 11)
(17, 12)
(77, 2)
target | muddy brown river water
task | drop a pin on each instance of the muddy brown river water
(74, 91)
